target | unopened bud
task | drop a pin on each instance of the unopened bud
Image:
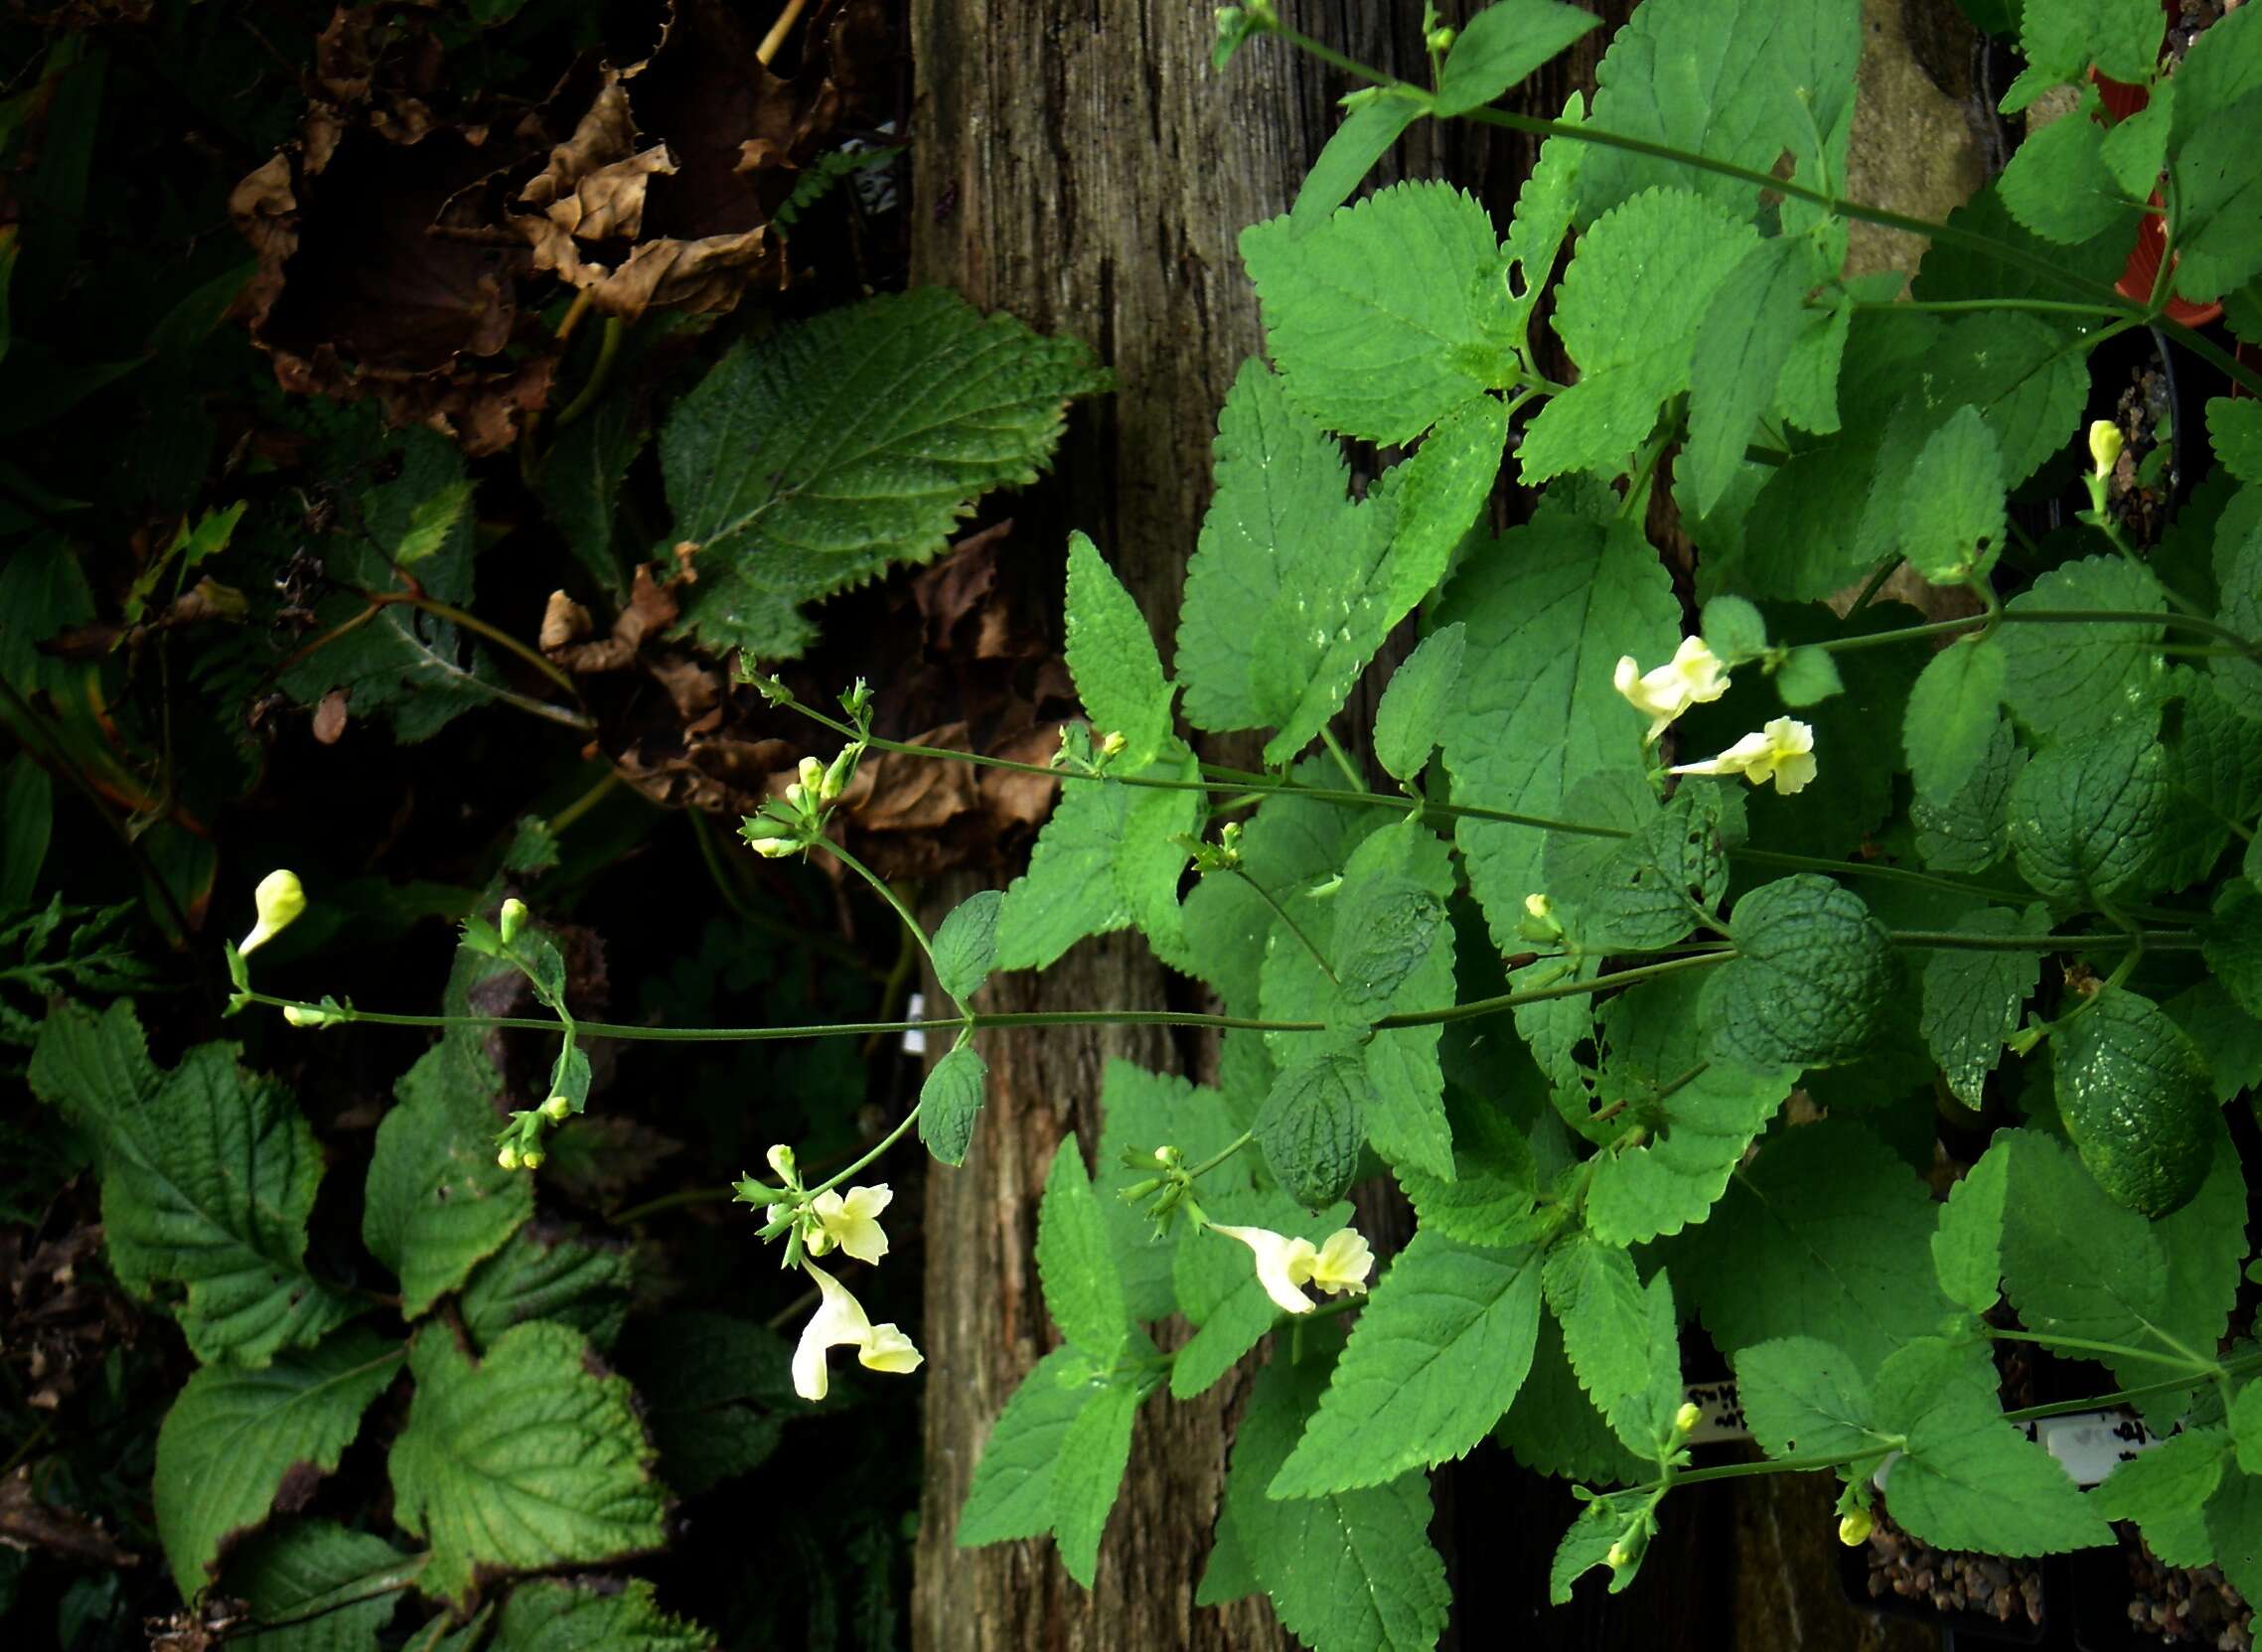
(1618, 1559)
(1113, 743)
(1853, 1529)
(812, 774)
(1539, 906)
(511, 920)
(278, 901)
(781, 1159)
(776, 849)
(1441, 40)
(1685, 1419)
(531, 1158)
(557, 1110)
(507, 1157)
(795, 792)
(2104, 447)
(837, 775)
(300, 1016)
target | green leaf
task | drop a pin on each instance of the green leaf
(1952, 717)
(1734, 629)
(323, 1587)
(2060, 38)
(1093, 1454)
(1808, 677)
(1646, 1418)
(2231, 942)
(1312, 1126)
(965, 944)
(1967, 1246)
(1105, 859)
(1348, 1571)
(1553, 1427)
(1309, 651)
(1012, 1492)
(552, 1614)
(1597, 1297)
(552, 1271)
(1411, 716)
(1827, 1233)
(1965, 833)
(2075, 1262)
(1625, 311)
(950, 1103)
(1388, 927)
(2218, 223)
(437, 1204)
(1489, 1200)
(2087, 815)
(1705, 1112)
(2136, 1100)
(208, 1175)
(1967, 1479)
(2238, 573)
(848, 443)
(1501, 45)
(1803, 1398)
(233, 1436)
(1141, 1112)
(1436, 1358)
(1110, 655)
(1544, 207)
(1083, 1291)
(2236, 428)
(2058, 686)
(1368, 133)
(524, 1461)
(1972, 997)
(580, 485)
(2165, 1489)
(1740, 81)
(2059, 184)
(1387, 316)
(1754, 320)
(1809, 979)
(1643, 891)
(1548, 609)
(1951, 513)
(27, 818)
(2136, 149)
(2235, 1530)
(715, 1390)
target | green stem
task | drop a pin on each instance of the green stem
(608, 346)
(2112, 1350)
(910, 923)
(1220, 1157)
(2237, 1367)
(1296, 929)
(669, 1201)
(1342, 759)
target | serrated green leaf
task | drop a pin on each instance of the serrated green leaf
(1742, 81)
(2086, 816)
(1625, 311)
(1646, 1418)
(1411, 716)
(1808, 677)
(1644, 891)
(1965, 833)
(1312, 1126)
(436, 1203)
(714, 1391)
(2135, 1099)
(1368, 133)
(2062, 37)
(2236, 428)
(1972, 997)
(1801, 1396)
(965, 944)
(1809, 979)
(1597, 1297)
(1952, 717)
(1500, 46)
(950, 1103)
(1141, 1112)
(580, 485)
(1544, 207)
(1387, 929)
(552, 1271)
(2136, 149)
(1967, 1246)
(1110, 655)
(2075, 1262)
(1967, 1479)
(1069, 891)
(848, 443)
(2171, 1479)
(1549, 607)
(2238, 574)
(208, 1174)
(2218, 223)
(1489, 1200)
(1093, 1454)
(1753, 321)
(233, 1434)
(1349, 1572)
(2233, 1519)
(1011, 1495)
(1554, 1426)
(524, 1461)
(2059, 686)
(2231, 942)
(1951, 512)
(1436, 1358)
(1083, 1291)
(1734, 629)
(1389, 314)
(551, 1615)
(1826, 1234)
(314, 1585)
(2059, 184)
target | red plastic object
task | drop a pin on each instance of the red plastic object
(2139, 275)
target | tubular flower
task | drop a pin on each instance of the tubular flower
(1783, 752)
(851, 1221)
(1693, 677)
(278, 900)
(1284, 1265)
(838, 1323)
(2105, 442)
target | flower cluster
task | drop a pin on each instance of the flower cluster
(1782, 752)
(1339, 1264)
(814, 1225)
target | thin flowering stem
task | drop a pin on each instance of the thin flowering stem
(1281, 912)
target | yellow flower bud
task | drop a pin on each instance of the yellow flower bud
(531, 1158)
(277, 901)
(1853, 1529)
(507, 1157)
(1685, 1419)
(298, 1016)
(1618, 1558)
(557, 1110)
(1539, 906)
(1112, 744)
(812, 775)
(794, 794)
(2106, 441)
(511, 920)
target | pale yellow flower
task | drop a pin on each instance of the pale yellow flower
(1693, 677)
(1284, 1266)
(841, 1322)
(277, 901)
(1783, 752)
(851, 1222)
(2105, 442)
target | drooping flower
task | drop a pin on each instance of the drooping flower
(851, 1221)
(1783, 752)
(2105, 443)
(1693, 677)
(277, 901)
(1284, 1266)
(841, 1322)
